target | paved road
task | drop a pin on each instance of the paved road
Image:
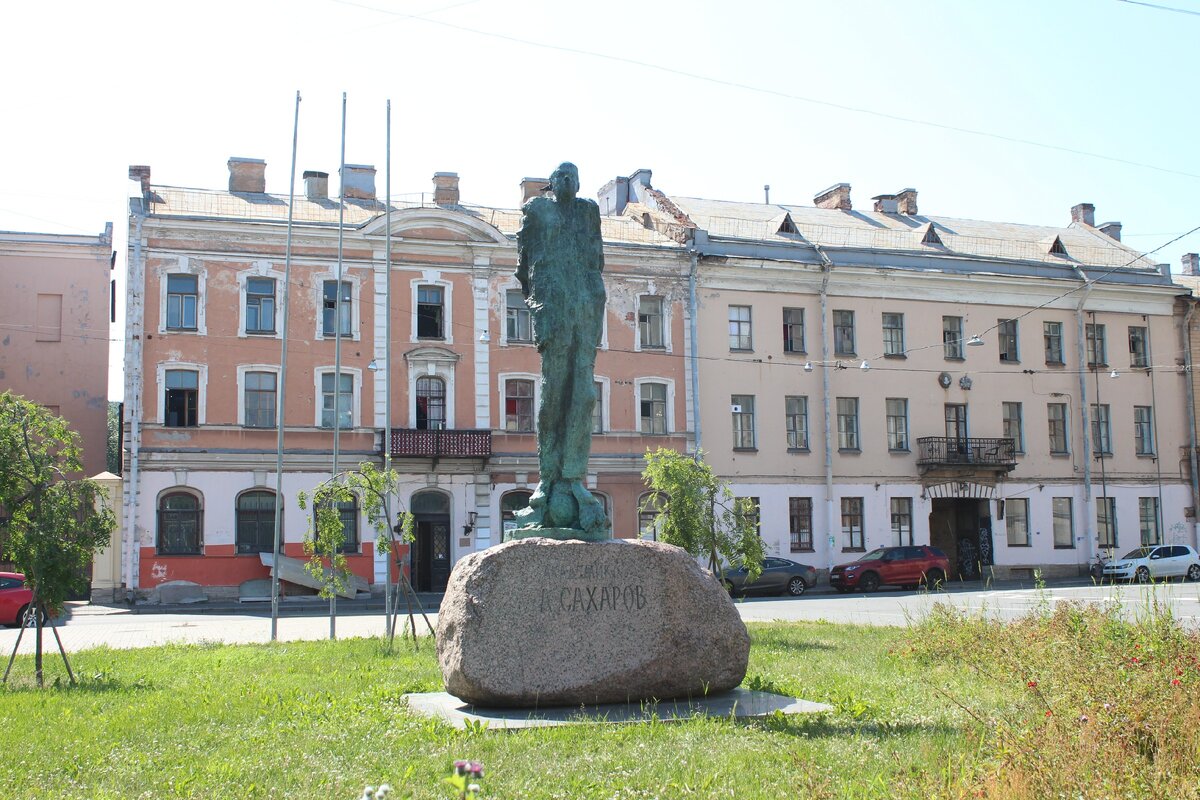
(94, 626)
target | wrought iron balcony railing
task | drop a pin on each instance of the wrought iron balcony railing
(412, 442)
(940, 451)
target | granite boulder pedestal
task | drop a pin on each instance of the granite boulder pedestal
(538, 622)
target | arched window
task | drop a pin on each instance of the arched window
(348, 512)
(256, 522)
(179, 524)
(431, 404)
(510, 504)
(649, 504)
(429, 503)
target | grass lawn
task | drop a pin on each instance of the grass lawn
(942, 709)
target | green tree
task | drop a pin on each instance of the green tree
(696, 511)
(113, 451)
(325, 540)
(52, 523)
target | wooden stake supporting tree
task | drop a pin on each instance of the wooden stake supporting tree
(53, 523)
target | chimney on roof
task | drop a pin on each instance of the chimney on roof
(445, 188)
(247, 175)
(141, 174)
(316, 185)
(1085, 213)
(1191, 264)
(533, 187)
(906, 201)
(886, 203)
(614, 196)
(358, 182)
(836, 196)
(1111, 230)
(641, 177)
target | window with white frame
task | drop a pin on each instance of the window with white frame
(793, 330)
(653, 408)
(1097, 347)
(1106, 521)
(740, 328)
(1064, 523)
(260, 305)
(255, 514)
(259, 399)
(742, 408)
(800, 524)
(1101, 432)
(1013, 426)
(952, 338)
(431, 403)
(852, 523)
(518, 405)
(598, 409)
(181, 401)
(796, 410)
(1006, 337)
(893, 334)
(183, 302)
(843, 333)
(180, 524)
(1139, 346)
(431, 312)
(902, 515)
(897, 423)
(651, 327)
(337, 308)
(1016, 521)
(1143, 430)
(518, 320)
(1052, 338)
(650, 505)
(1148, 521)
(1056, 414)
(847, 422)
(337, 398)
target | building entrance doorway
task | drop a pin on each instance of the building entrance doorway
(962, 529)
(431, 542)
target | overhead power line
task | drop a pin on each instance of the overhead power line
(1161, 8)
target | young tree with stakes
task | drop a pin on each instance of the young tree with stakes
(52, 522)
(697, 512)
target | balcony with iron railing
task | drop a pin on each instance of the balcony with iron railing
(948, 451)
(443, 443)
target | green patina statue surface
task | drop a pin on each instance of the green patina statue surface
(560, 260)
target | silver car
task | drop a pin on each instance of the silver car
(779, 575)
(1155, 562)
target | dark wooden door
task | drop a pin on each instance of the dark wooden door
(431, 554)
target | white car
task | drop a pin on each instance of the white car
(1155, 562)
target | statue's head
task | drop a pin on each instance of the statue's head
(564, 182)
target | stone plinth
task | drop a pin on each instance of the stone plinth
(538, 622)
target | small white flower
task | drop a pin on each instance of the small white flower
(473, 788)
(384, 792)
(368, 793)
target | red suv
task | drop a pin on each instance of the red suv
(15, 598)
(901, 566)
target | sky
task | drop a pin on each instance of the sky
(1010, 111)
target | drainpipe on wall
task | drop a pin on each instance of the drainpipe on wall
(694, 334)
(1081, 353)
(1191, 407)
(134, 324)
(826, 269)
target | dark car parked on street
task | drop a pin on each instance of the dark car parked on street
(909, 567)
(779, 575)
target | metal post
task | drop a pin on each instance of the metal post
(694, 356)
(387, 361)
(281, 389)
(337, 345)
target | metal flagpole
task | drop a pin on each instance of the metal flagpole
(337, 346)
(280, 389)
(387, 363)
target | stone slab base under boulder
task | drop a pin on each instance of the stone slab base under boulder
(538, 622)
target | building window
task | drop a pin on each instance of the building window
(1097, 349)
(1006, 335)
(1106, 521)
(1143, 430)
(518, 405)
(510, 504)
(796, 409)
(1052, 337)
(1101, 432)
(431, 404)
(260, 305)
(342, 399)
(742, 406)
(1056, 414)
(847, 420)
(183, 296)
(1064, 523)
(260, 399)
(336, 305)
(179, 525)
(256, 522)
(1016, 520)
(1148, 521)
(598, 409)
(430, 313)
(517, 319)
(893, 334)
(793, 330)
(1139, 347)
(754, 514)
(650, 322)
(902, 533)
(952, 337)
(653, 408)
(956, 423)
(740, 333)
(1013, 426)
(649, 506)
(843, 333)
(182, 398)
(852, 523)
(348, 513)
(800, 523)
(897, 423)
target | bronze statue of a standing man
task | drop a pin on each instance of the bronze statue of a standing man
(560, 260)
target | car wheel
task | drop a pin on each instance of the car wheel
(869, 582)
(1142, 575)
(796, 587)
(935, 578)
(1193, 573)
